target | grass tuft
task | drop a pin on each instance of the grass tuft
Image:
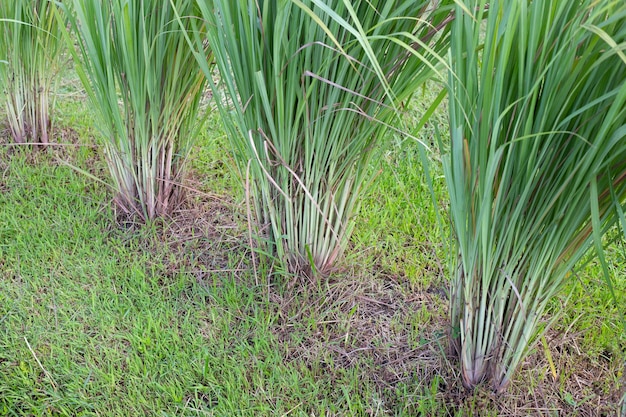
(31, 47)
(141, 76)
(305, 109)
(535, 168)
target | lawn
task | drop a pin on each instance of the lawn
(100, 315)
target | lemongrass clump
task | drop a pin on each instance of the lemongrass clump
(145, 85)
(306, 107)
(31, 44)
(536, 166)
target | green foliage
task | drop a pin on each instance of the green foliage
(30, 54)
(305, 107)
(107, 321)
(142, 77)
(536, 164)
(96, 320)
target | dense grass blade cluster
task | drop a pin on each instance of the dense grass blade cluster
(536, 165)
(143, 79)
(30, 47)
(306, 107)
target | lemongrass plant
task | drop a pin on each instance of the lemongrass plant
(305, 107)
(145, 85)
(31, 46)
(537, 162)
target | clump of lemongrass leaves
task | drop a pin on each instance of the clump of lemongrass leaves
(537, 164)
(305, 107)
(144, 82)
(31, 46)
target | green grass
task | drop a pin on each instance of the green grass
(414, 242)
(107, 319)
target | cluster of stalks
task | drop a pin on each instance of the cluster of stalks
(144, 83)
(308, 100)
(31, 46)
(536, 170)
